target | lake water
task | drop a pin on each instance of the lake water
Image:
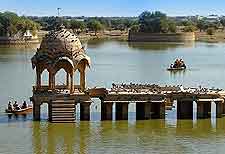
(118, 62)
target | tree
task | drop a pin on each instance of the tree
(135, 28)
(201, 25)
(222, 21)
(172, 27)
(11, 24)
(156, 22)
(150, 21)
(95, 26)
(77, 26)
(190, 28)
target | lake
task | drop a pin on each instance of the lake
(116, 62)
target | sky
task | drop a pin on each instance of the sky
(113, 7)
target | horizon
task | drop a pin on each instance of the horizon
(112, 8)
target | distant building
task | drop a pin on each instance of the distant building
(212, 18)
(28, 35)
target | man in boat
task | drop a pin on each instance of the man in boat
(16, 106)
(24, 106)
(10, 108)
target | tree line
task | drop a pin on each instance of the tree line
(11, 25)
(152, 22)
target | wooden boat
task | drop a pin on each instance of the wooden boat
(27, 110)
(176, 69)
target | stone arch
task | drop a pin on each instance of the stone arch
(61, 77)
(64, 63)
(45, 77)
(76, 79)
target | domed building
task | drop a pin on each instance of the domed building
(60, 49)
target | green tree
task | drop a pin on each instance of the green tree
(190, 28)
(135, 28)
(77, 26)
(201, 25)
(222, 21)
(12, 24)
(172, 27)
(156, 22)
(95, 26)
(150, 21)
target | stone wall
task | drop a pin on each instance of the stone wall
(158, 37)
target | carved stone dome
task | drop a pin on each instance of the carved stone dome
(60, 42)
(60, 45)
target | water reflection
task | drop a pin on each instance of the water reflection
(124, 137)
(146, 46)
(176, 73)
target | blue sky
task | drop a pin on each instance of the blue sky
(113, 7)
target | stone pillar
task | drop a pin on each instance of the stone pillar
(68, 80)
(223, 106)
(140, 113)
(219, 109)
(71, 84)
(162, 110)
(158, 110)
(85, 111)
(143, 111)
(38, 80)
(122, 111)
(106, 110)
(50, 81)
(36, 111)
(50, 111)
(203, 110)
(82, 80)
(184, 109)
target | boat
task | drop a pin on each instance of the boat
(176, 69)
(27, 110)
(178, 65)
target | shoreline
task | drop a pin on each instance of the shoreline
(218, 37)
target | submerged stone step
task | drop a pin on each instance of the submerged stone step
(63, 102)
(64, 112)
(62, 117)
(62, 109)
(59, 121)
(63, 105)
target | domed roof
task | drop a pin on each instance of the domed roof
(61, 41)
(57, 45)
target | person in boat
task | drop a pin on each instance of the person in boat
(10, 107)
(178, 64)
(182, 63)
(16, 106)
(24, 106)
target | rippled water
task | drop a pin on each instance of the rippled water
(114, 61)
